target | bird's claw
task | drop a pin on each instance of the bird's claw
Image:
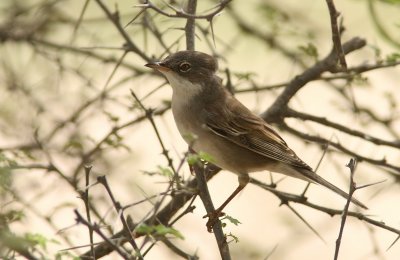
(213, 217)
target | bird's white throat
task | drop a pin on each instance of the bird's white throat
(182, 99)
(183, 89)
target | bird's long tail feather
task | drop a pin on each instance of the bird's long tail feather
(318, 179)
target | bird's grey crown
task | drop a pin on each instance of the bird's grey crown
(193, 65)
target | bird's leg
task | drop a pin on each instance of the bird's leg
(213, 216)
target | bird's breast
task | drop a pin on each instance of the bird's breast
(187, 119)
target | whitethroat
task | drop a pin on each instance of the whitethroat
(237, 140)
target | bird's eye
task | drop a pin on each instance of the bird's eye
(184, 66)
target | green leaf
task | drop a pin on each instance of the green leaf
(360, 80)
(378, 53)
(5, 161)
(206, 157)
(190, 138)
(165, 171)
(144, 229)
(309, 50)
(11, 216)
(111, 117)
(37, 239)
(235, 238)
(192, 159)
(234, 221)
(74, 144)
(393, 57)
(5, 178)
(248, 76)
(158, 230)
(113, 140)
(5, 172)
(166, 102)
(66, 255)
(163, 230)
(274, 16)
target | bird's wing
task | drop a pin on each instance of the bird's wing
(239, 125)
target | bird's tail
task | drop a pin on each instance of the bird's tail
(318, 179)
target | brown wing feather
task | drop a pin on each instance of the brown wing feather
(239, 125)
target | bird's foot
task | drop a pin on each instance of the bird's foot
(213, 217)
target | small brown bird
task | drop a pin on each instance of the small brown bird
(238, 140)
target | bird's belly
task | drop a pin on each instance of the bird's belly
(232, 157)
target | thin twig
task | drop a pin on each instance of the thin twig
(85, 198)
(119, 209)
(149, 116)
(178, 251)
(107, 240)
(305, 222)
(352, 166)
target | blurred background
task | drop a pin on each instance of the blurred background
(67, 69)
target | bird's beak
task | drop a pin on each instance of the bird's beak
(158, 66)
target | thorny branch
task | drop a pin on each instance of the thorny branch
(352, 166)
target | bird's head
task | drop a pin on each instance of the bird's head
(187, 66)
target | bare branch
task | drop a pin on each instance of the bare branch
(223, 247)
(190, 25)
(336, 39)
(114, 18)
(179, 13)
(325, 122)
(275, 111)
(340, 147)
